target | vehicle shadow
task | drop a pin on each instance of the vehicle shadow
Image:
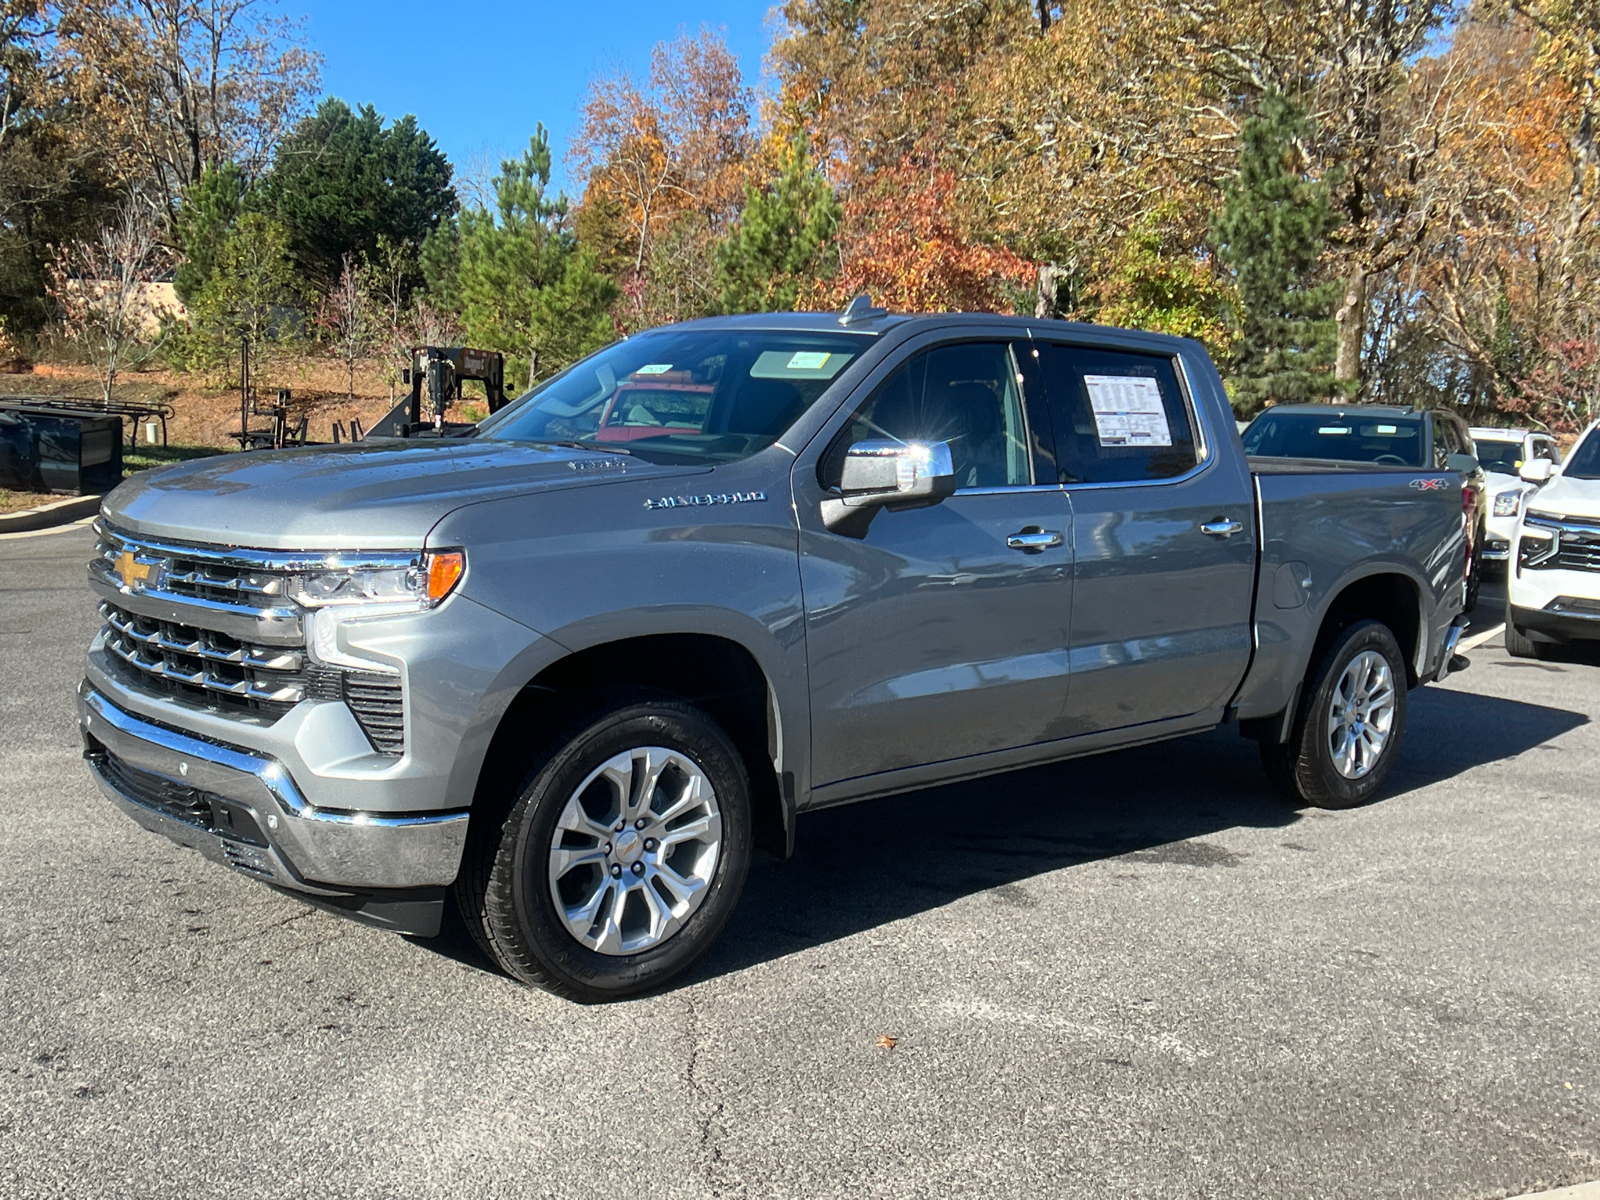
(861, 866)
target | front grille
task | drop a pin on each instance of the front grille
(206, 666)
(1573, 544)
(224, 672)
(195, 572)
(377, 702)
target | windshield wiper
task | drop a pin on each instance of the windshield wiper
(572, 445)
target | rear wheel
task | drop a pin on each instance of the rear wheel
(1350, 723)
(620, 858)
(1519, 644)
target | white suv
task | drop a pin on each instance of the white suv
(1554, 580)
(1502, 453)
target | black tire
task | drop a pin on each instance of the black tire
(1475, 583)
(1519, 644)
(1303, 768)
(504, 892)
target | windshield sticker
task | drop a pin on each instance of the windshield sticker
(1336, 430)
(1128, 410)
(654, 369)
(1388, 429)
(799, 364)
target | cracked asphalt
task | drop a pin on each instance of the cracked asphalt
(1138, 975)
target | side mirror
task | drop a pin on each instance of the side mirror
(1464, 464)
(1536, 470)
(887, 475)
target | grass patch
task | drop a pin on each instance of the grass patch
(143, 458)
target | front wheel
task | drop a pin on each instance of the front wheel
(1519, 644)
(621, 857)
(1348, 730)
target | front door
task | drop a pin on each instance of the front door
(938, 635)
(1163, 536)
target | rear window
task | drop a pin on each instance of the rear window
(1391, 441)
(682, 396)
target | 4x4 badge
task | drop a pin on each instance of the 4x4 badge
(1428, 485)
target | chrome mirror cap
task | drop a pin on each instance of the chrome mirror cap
(887, 474)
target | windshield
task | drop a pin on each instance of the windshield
(1584, 461)
(1503, 458)
(681, 396)
(1395, 441)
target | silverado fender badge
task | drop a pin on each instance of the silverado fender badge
(596, 464)
(1428, 485)
(719, 498)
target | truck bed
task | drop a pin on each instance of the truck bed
(1324, 525)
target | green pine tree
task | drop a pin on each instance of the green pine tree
(342, 179)
(524, 286)
(204, 222)
(1270, 232)
(781, 240)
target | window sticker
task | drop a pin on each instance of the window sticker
(654, 369)
(795, 365)
(1128, 410)
(1337, 430)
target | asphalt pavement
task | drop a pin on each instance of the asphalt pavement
(1137, 975)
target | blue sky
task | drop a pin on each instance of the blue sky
(479, 74)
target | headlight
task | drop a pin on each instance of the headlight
(423, 581)
(1507, 503)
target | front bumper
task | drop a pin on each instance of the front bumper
(245, 811)
(1564, 619)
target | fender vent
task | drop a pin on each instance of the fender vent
(378, 704)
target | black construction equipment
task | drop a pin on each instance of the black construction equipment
(137, 414)
(55, 449)
(440, 371)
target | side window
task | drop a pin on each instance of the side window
(965, 395)
(1118, 416)
(1544, 449)
(1441, 444)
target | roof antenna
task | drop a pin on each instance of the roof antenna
(860, 309)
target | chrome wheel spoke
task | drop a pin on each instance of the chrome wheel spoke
(1360, 714)
(608, 874)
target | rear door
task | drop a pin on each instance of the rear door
(1163, 537)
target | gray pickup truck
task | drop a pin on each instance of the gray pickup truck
(575, 665)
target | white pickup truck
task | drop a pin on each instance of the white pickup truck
(1553, 584)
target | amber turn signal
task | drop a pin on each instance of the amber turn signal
(445, 568)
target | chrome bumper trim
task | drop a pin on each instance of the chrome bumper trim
(310, 849)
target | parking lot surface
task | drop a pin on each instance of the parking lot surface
(1137, 975)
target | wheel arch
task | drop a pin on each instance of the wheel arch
(721, 674)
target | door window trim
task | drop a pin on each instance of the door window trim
(1007, 341)
(1204, 448)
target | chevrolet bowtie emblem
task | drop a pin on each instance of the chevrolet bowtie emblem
(130, 570)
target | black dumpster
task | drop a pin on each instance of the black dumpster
(69, 453)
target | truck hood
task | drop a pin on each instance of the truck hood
(362, 495)
(1563, 497)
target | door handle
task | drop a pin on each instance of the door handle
(1222, 528)
(1035, 539)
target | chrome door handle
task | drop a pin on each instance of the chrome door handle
(1222, 529)
(1035, 539)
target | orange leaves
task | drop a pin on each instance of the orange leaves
(904, 246)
